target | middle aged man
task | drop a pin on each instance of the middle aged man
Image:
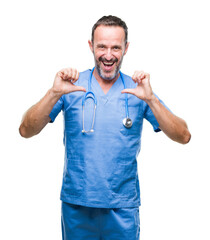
(100, 191)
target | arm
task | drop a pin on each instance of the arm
(173, 126)
(37, 117)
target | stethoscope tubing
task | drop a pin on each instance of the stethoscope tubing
(90, 94)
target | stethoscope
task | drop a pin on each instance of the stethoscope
(127, 122)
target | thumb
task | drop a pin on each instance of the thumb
(129, 90)
(78, 88)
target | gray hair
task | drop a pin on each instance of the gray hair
(110, 21)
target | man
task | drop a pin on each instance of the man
(100, 191)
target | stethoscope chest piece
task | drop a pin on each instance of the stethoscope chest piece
(127, 122)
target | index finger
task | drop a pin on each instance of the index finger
(76, 77)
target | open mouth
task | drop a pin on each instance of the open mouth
(108, 64)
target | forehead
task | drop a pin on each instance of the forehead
(109, 34)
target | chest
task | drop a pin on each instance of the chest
(106, 117)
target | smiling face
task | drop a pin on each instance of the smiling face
(108, 48)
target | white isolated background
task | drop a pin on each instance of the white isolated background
(168, 39)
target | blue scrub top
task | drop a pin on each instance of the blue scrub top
(100, 168)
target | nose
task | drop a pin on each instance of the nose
(108, 55)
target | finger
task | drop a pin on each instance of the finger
(66, 73)
(134, 79)
(137, 76)
(140, 75)
(129, 90)
(76, 76)
(147, 75)
(60, 74)
(144, 75)
(73, 74)
(134, 76)
(70, 72)
(78, 88)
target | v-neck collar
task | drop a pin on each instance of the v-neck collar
(97, 88)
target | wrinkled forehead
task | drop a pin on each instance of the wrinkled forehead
(109, 34)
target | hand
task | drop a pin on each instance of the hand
(64, 81)
(143, 89)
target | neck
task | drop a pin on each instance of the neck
(103, 82)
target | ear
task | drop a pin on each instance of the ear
(126, 48)
(90, 45)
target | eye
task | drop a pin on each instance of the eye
(116, 48)
(101, 46)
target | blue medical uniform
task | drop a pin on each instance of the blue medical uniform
(100, 168)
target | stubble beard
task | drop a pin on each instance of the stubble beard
(102, 75)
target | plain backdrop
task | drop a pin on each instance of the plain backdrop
(170, 40)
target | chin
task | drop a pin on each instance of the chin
(109, 76)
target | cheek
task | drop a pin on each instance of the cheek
(118, 54)
(119, 57)
(97, 55)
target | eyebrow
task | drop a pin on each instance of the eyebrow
(117, 46)
(103, 45)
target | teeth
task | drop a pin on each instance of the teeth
(108, 64)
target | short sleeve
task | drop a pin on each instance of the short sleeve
(149, 116)
(56, 109)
